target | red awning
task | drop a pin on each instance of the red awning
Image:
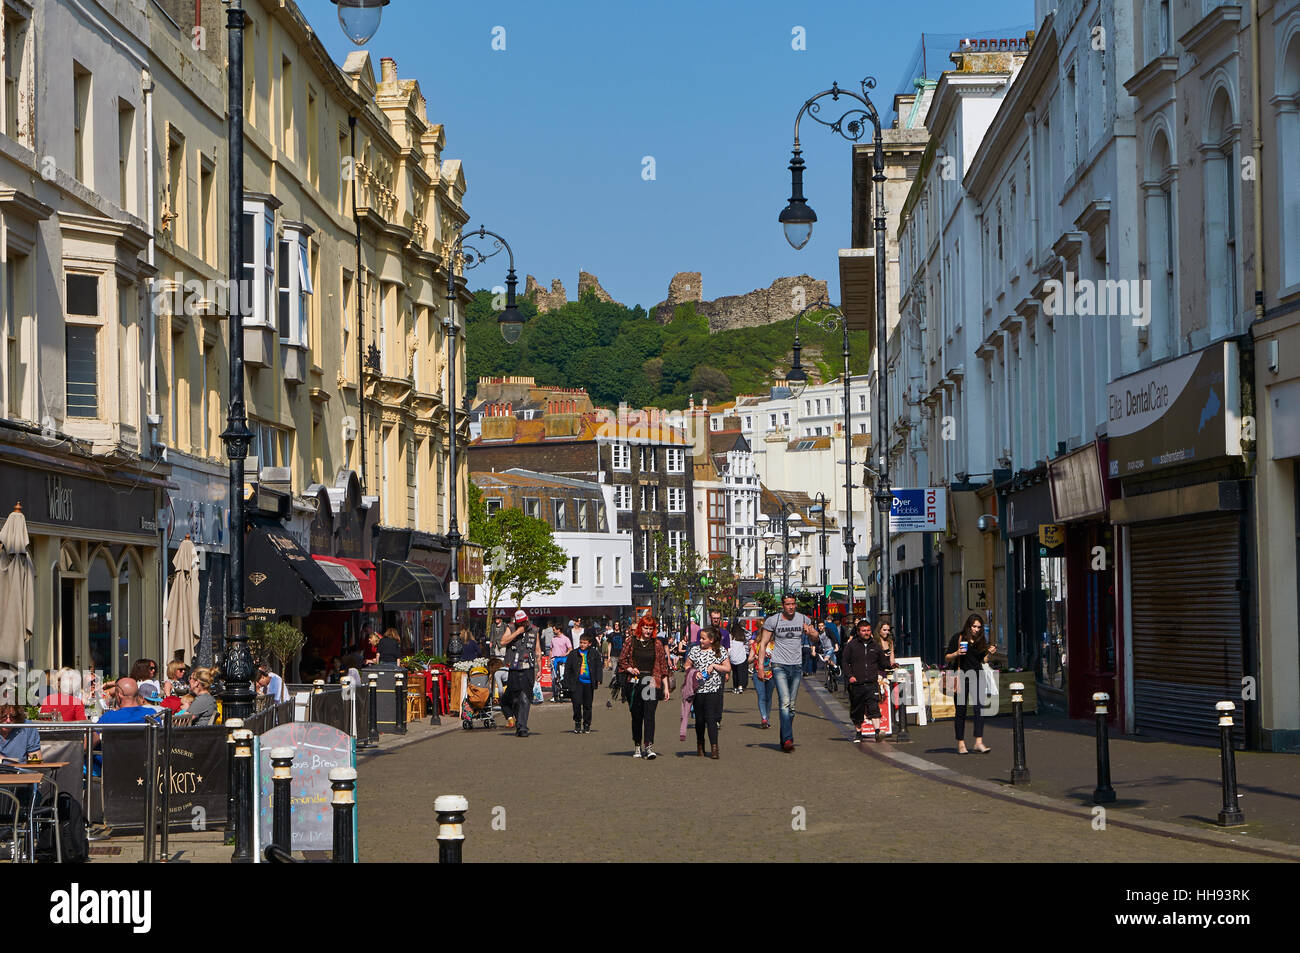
(364, 570)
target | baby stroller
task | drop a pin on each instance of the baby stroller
(477, 704)
(832, 672)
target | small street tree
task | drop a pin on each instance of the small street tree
(523, 559)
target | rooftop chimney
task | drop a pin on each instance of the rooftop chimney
(388, 70)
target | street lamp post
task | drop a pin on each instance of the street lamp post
(797, 220)
(820, 507)
(797, 381)
(511, 323)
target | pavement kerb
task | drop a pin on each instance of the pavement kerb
(835, 710)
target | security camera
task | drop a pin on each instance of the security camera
(987, 523)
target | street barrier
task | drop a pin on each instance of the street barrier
(1019, 771)
(1231, 814)
(1104, 794)
(450, 809)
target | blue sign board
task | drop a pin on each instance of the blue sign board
(919, 511)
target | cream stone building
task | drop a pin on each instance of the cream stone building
(115, 359)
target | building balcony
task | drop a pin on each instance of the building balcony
(259, 345)
(293, 362)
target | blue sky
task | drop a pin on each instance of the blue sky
(554, 129)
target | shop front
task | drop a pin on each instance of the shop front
(198, 508)
(97, 554)
(1185, 545)
(1078, 656)
(338, 541)
(284, 582)
(414, 569)
(1034, 569)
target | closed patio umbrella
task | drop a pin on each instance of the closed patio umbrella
(17, 595)
(183, 602)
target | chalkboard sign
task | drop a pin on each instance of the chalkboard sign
(317, 749)
(198, 778)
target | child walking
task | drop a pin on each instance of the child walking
(582, 671)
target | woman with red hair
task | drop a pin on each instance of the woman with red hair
(645, 662)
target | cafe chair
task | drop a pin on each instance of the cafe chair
(9, 825)
(42, 810)
(415, 700)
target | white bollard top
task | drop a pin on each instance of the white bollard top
(372, 676)
(282, 752)
(343, 774)
(1100, 697)
(450, 804)
(1017, 686)
(234, 723)
(1225, 706)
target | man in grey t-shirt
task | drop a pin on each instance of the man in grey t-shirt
(785, 631)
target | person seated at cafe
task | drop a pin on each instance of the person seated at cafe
(271, 685)
(146, 670)
(204, 706)
(151, 697)
(389, 648)
(130, 708)
(66, 699)
(17, 740)
(370, 647)
(177, 678)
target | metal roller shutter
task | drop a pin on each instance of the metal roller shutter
(1187, 638)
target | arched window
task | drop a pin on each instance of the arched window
(1161, 247)
(1222, 201)
(1288, 147)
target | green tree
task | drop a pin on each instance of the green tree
(523, 558)
(709, 383)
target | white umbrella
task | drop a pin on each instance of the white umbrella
(17, 595)
(183, 602)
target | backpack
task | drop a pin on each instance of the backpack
(72, 833)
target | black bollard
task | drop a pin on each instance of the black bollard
(243, 797)
(435, 701)
(232, 725)
(1019, 772)
(281, 782)
(1104, 794)
(343, 782)
(358, 732)
(901, 737)
(399, 701)
(372, 688)
(450, 809)
(317, 687)
(1231, 813)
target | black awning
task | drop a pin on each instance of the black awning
(404, 585)
(282, 578)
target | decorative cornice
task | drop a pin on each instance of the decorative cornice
(1156, 76)
(1217, 26)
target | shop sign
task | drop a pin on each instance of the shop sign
(977, 596)
(69, 500)
(1078, 489)
(1051, 535)
(1183, 411)
(919, 511)
(198, 509)
(197, 778)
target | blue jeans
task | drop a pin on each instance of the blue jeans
(763, 688)
(787, 679)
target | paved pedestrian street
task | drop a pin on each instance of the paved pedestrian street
(555, 796)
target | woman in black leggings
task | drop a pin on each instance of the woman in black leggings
(645, 661)
(708, 659)
(967, 652)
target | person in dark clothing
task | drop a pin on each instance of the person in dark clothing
(645, 660)
(864, 660)
(470, 650)
(967, 652)
(582, 676)
(520, 642)
(390, 648)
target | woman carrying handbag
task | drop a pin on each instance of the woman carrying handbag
(967, 652)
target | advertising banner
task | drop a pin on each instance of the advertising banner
(919, 511)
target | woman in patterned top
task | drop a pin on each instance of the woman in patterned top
(712, 663)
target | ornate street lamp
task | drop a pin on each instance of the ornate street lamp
(819, 507)
(360, 18)
(797, 220)
(511, 323)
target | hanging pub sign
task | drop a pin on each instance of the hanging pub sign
(1187, 410)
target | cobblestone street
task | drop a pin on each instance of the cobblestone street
(560, 797)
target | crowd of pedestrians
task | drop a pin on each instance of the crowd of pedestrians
(769, 657)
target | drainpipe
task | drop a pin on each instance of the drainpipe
(361, 347)
(1031, 116)
(146, 80)
(1257, 149)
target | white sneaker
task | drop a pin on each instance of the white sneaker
(636, 752)
(650, 752)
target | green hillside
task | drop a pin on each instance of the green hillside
(622, 354)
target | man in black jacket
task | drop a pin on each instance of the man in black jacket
(864, 660)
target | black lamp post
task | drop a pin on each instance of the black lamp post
(820, 507)
(797, 219)
(511, 323)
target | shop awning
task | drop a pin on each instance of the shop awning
(404, 585)
(283, 579)
(363, 573)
